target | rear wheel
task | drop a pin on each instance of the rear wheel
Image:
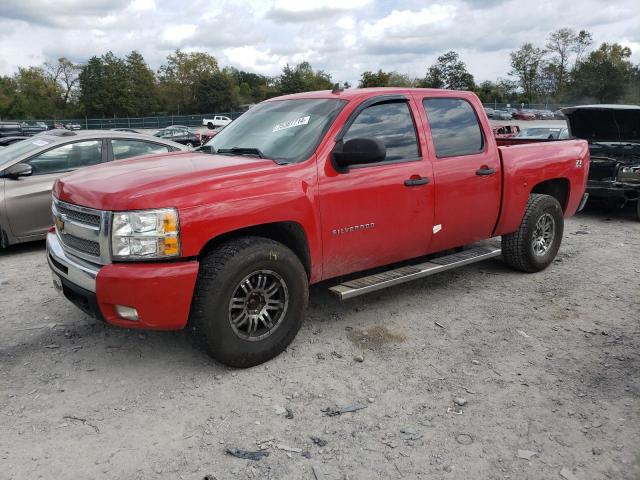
(536, 242)
(249, 302)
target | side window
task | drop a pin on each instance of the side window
(132, 148)
(392, 123)
(454, 127)
(67, 157)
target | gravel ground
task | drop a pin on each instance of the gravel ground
(545, 368)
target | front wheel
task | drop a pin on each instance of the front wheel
(210, 126)
(250, 300)
(535, 244)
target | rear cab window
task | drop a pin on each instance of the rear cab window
(454, 125)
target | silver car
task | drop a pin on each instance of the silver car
(29, 168)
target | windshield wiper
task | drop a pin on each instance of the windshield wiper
(242, 151)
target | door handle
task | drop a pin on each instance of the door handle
(415, 181)
(484, 170)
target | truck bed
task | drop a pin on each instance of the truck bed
(528, 162)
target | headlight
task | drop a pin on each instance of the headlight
(145, 234)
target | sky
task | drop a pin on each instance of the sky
(341, 37)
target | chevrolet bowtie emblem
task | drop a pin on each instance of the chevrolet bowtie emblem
(59, 224)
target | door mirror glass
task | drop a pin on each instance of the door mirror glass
(18, 170)
(360, 151)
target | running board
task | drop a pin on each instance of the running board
(378, 281)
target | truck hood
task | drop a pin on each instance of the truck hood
(604, 123)
(181, 179)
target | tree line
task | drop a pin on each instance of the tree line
(565, 70)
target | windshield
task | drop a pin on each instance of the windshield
(17, 149)
(281, 130)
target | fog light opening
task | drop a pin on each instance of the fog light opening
(128, 313)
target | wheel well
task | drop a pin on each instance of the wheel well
(290, 234)
(557, 188)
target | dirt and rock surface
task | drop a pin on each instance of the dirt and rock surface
(479, 373)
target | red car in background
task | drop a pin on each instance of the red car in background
(524, 115)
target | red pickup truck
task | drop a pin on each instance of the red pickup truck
(299, 189)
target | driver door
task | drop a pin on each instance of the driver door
(377, 214)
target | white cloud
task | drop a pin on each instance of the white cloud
(142, 5)
(250, 58)
(176, 34)
(401, 24)
(342, 37)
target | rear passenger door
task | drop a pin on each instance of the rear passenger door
(466, 169)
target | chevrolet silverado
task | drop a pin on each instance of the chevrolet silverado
(304, 188)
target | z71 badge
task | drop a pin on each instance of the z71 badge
(353, 228)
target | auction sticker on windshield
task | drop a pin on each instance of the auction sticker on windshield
(291, 123)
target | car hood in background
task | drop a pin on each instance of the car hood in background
(604, 123)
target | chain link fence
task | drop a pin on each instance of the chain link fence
(155, 123)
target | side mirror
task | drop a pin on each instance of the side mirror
(358, 151)
(18, 170)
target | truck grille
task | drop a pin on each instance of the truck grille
(86, 246)
(82, 217)
(80, 231)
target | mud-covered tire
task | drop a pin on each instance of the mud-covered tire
(518, 249)
(223, 271)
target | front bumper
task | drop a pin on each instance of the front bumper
(160, 292)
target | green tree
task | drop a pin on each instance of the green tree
(526, 66)
(375, 79)
(37, 94)
(217, 93)
(302, 78)
(501, 91)
(180, 76)
(448, 72)
(142, 94)
(8, 96)
(605, 75)
(562, 44)
(66, 74)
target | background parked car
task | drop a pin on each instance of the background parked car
(73, 126)
(130, 130)
(33, 128)
(29, 168)
(6, 141)
(216, 121)
(10, 129)
(180, 134)
(489, 111)
(209, 134)
(544, 114)
(524, 115)
(502, 115)
(558, 115)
